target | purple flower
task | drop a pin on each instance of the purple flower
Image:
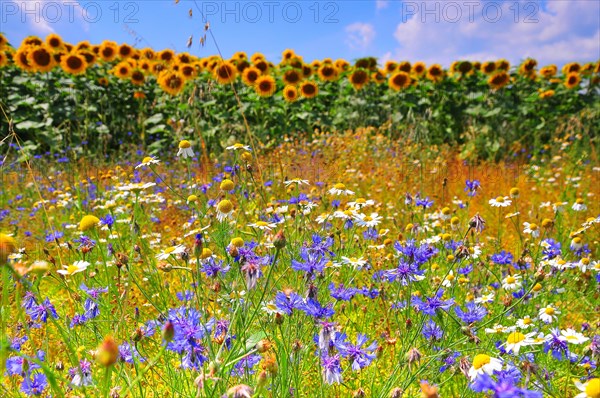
(426, 203)
(503, 388)
(342, 293)
(316, 310)
(332, 371)
(42, 311)
(473, 313)
(559, 348)
(289, 303)
(245, 366)
(431, 331)
(471, 187)
(359, 357)
(313, 262)
(432, 304)
(127, 353)
(502, 258)
(34, 385)
(212, 267)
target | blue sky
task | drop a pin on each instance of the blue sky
(552, 31)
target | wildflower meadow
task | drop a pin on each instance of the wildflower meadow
(180, 226)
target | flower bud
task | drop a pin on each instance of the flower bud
(279, 241)
(168, 331)
(108, 352)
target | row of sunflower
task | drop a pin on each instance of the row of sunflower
(299, 79)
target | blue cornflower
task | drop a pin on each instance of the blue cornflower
(316, 310)
(245, 366)
(82, 376)
(551, 249)
(503, 388)
(92, 310)
(108, 220)
(426, 202)
(332, 371)
(431, 331)
(559, 348)
(471, 187)
(34, 384)
(449, 361)
(473, 313)
(127, 353)
(370, 293)
(42, 311)
(359, 357)
(211, 267)
(313, 263)
(52, 236)
(287, 304)
(405, 273)
(502, 258)
(78, 319)
(432, 304)
(342, 293)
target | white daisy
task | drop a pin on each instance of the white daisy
(361, 202)
(500, 201)
(169, 251)
(516, 340)
(263, 225)
(525, 322)
(548, 313)
(185, 149)
(532, 229)
(369, 221)
(77, 266)
(572, 336)
(357, 263)
(238, 146)
(512, 282)
(590, 389)
(297, 181)
(579, 205)
(147, 161)
(483, 363)
(340, 189)
(485, 298)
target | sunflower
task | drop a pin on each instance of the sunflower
(31, 41)
(122, 70)
(157, 68)
(527, 68)
(137, 77)
(435, 73)
(188, 71)
(145, 65)
(83, 45)
(250, 75)
(342, 64)
(488, 67)
(328, 72)
(54, 42)
(125, 51)
(183, 58)
(171, 82)
(419, 68)
(3, 59)
(315, 65)
(73, 63)
(499, 80)
(241, 65)
(404, 66)
(148, 53)
(225, 72)
(40, 58)
(108, 50)
(291, 76)
(379, 77)
(359, 78)
(572, 80)
(296, 62)
(477, 65)
(287, 55)
(257, 57)
(309, 89)
(503, 64)
(20, 58)
(89, 56)
(262, 65)
(265, 86)
(3, 41)
(548, 71)
(464, 67)
(95, 49)
(399, 80)
(290, 93)
(588, 68)
(571, 67)
(307, 71)
(166, 55)
(546, 94)
(240, 56)
(390, 66)
(103, 81)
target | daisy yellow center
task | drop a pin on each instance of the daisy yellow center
(481, 360)
(445, 211)
(549, 311)
(237, 242)
(261, 224)
(339, 186)
(537, 287)
(192, 198)
(577, 240)
(147, 159)
(533, 227)
(515, 337)
(593, 388)
(579, 201)
(360, 201)
(367, 218)
(227, 185)
(88, 222)
(225, 206)
(183, 144)
(71, 269)
(572, 338)
(526, 321)
(169, 250)
(271, 306)
(511, 279)
(450, 277)
(206, 253)
(585, 261)
(238, 146)
(500, 199)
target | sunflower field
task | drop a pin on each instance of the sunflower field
(175, 226)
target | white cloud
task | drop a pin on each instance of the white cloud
(561, 32)
(360, 35)
(381, 4)
(46, 16)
